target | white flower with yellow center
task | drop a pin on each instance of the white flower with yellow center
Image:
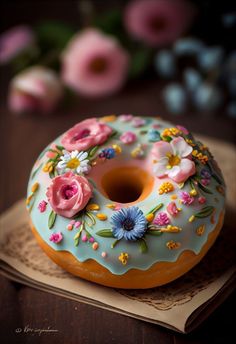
(74, 161)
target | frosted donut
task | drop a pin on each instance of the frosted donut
(125, 201)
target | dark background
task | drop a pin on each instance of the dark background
(22, 139)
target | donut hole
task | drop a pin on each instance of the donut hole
(127, 184)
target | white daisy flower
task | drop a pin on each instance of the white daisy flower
(74, 161)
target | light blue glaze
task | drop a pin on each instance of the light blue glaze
(157, 250)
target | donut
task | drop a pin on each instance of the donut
(126, 201)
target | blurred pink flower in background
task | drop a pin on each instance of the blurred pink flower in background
(14, 41)
(158, 22)
(94, 64)
(35, 89)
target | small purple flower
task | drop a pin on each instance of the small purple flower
(186, 199)
(161, 219)
(107, 153)
(205, 174)
(42, 206)
(56, 237)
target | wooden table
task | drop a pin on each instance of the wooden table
(22, 138)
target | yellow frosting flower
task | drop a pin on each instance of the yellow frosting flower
(166, 187)
(123, 258)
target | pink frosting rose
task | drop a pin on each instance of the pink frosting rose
(173, 159)
(94, 64)
(158, 22)
(68, 194)
(86, 134)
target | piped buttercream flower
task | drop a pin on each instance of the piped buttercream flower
(74, 161)
(128, 137)
(68, 194)
(86, 134)
(56, 237)
(173, 159)
(161, 219)
(129, 223)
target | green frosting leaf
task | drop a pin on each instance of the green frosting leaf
(205, 212)
(154, 210)
(106, 233)
(92, 151)
(143, 245)
(52, 219)
(154, 232)
(36, 171)
(204, 189)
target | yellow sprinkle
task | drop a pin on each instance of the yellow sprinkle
(95, 246)
(117, 148)
(35, 187)
(92, 206)
(102, 217)
(172, 245)
(149, 217)
(173, 197)
(191, 219)
(111, 206)
(181, 185)
(123, 258)
(77, 235)
(200, 230)
(50, 169)
(193, 192)
(28, 199)
(110, 118)
(171, 229)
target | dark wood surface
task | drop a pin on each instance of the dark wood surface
(22, 139)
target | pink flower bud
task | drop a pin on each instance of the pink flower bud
(35, 89)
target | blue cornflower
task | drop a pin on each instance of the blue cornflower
(107, 153)
(153, 135)
(129, 223)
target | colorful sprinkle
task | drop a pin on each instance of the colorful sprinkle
(91, 240)
(200, 230)
(102, 217)
(95, 246)
(109, 118)
(117, 149)
(149, 217)
(69, 227)
(191, 219)
(35, 187)
(104, 254)
(92, 206)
